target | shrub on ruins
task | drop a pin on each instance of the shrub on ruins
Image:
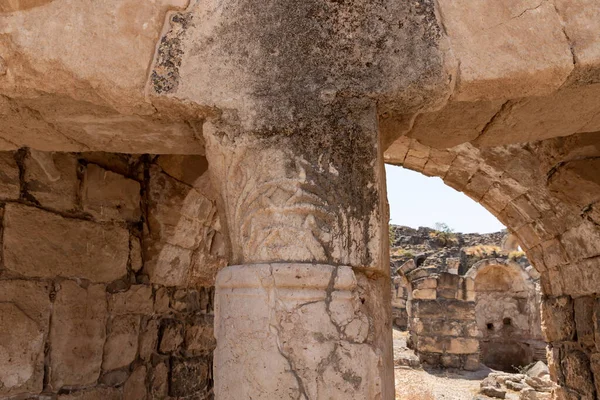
(444, 234)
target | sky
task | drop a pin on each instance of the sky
(417, 200)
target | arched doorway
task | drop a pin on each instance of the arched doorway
(507, 314)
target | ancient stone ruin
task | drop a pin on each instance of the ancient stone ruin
(158, 152)
(466, 299)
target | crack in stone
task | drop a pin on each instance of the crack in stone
(489, 124)
(515, 17)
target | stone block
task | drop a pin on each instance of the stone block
(199, 338)
(582, 241)
(77, 335)
(456, 123)
(182, 224)
(581, 25)
(189, 376)
(472, 362)
(451, 361)
(41, 244)
(100, 393)
(135, 254)
(450, 294)
(135, 387)
(51, 178)
(148, 338)
(420, 273)
(10, 185)
(172, 336)
(584, 324)
(189, 169)
(137, 300)
(107, 195)
(121, 344)
(558, 322)
(24, 318)
(429, 344)
(506, 49)
(424, 294)
(159, 380)
(463, 346)
(578, 376)
(424, 283)
(553, 356)
(595, 368)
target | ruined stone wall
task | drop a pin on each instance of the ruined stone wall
(106, 276)
(458, 321)
(442, 325)
(572, 327)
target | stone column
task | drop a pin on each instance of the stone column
(304, 311)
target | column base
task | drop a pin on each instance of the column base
(293, 331)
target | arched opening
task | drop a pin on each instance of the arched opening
(507, 314)
(434, 271)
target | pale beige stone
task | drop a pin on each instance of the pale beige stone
(137, 300)
(249, 350)
(25, 313)
(562, 113)
(121, 344)
(456, 123)
(135, 254)
(506, 49)
(182, 223)
(77, 335)
(581, 19)
(424, 294)
(51, 178)
(40, 244)
(463, 346)
(107, 195)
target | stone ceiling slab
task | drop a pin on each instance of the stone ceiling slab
(506, 49)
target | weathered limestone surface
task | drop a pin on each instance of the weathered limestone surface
(77, 334)
(79, 316)
(290, 331)
(41, 244)
(24, 319)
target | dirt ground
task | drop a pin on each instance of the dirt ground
(432, 384)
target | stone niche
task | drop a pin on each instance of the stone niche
(467, 299)
(107, 276)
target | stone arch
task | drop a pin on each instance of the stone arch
(547, 193)
(507, 313)
(510, 243)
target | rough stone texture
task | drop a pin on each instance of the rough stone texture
(24, 319)
(93, 394)
(10, 188)
(83, 323)
(135, 387)
(137, 300)
(107, 195)
(500, 56)
(317, 309)
(128, 77)
(77, 334)
(121, 344)
(489, 312)
(41, 244)
(51, 179)
(184, 241)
